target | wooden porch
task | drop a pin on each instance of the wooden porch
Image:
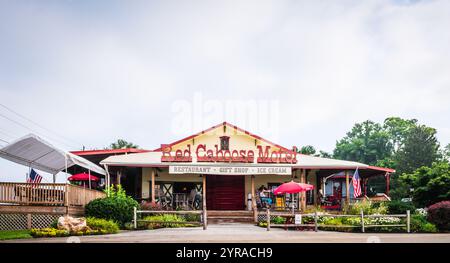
(45, 198)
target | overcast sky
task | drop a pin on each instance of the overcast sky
(152, 72)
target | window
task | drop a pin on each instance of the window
(225, 143)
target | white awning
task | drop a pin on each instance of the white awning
(312, 162)
(37, 153)
(153, 159)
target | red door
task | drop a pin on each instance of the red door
(225, 192)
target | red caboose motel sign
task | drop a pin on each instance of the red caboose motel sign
(205, 154)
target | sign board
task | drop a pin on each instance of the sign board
(228, 170)
(204, 154)
(298, 219)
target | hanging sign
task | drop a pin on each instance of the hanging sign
(228, 170)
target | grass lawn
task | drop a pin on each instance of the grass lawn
(14, 234)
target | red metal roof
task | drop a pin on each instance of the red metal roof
(109, 151)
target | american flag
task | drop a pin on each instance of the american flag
(34, 177)
(356, 184)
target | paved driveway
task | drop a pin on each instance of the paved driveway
(241, 233)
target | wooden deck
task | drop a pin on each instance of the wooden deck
(45, 198)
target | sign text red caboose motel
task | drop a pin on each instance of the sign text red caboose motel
(215, 154)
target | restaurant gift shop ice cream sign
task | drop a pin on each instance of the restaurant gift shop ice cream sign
(222, 170)
(215, 154)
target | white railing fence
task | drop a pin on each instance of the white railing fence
(268, 214)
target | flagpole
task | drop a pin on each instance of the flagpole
(28, 174)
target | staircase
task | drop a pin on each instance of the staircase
(229, 216)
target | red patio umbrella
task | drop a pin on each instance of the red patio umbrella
(83, 177)
(292, 187)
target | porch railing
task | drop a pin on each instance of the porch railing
(46, 194)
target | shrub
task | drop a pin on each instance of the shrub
(49, 232)
(278, 220)
(102, 224)
(421, 211)
(311, 210)
(262, 224)
(368, 208)
(117, 207)
(192, 217)
(166, 220)
(54, 224)
(419, 224)
(129, 226)
(429, 228)
(439, 214)
(399, 207)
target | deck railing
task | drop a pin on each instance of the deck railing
(46, 194)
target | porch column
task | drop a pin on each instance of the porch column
(388, 182)
(205, 214)
(153, 185)
(303, 194)
(347, 187)
(255, 211)
(118, 175)
(365, 182)
(107, 179)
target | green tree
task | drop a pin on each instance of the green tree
(307, 149)
(122, 144)
(367, 142)
(324, 154)
(446, 152)
(430, 184)
(398, 130)
(420, 148)
(397, 143)
(311, 150)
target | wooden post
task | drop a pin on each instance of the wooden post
(90, 186)
(347, 187)
(107, 179)
(254, 208)
(66, 195)
(205, 213)
(153, 185)
(135, 218)
(366, 181)
(268, 219)
(388, 182)
(408, 221)
(29, 225)
(315, 221)
(362, 221)
(303, 194)
(118, 175)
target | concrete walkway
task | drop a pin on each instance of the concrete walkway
(242, 233)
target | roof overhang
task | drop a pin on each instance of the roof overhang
(153, 159)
